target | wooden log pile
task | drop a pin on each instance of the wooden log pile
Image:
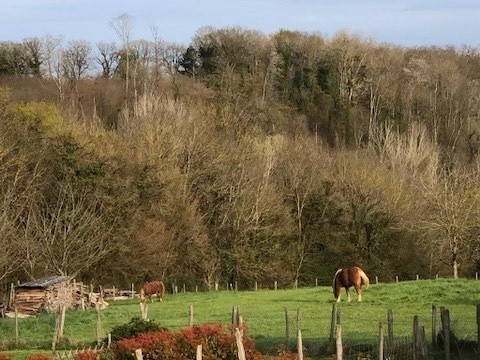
(30, 301)
(49, 296)
(59, 295)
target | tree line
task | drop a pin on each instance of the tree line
(243, 157)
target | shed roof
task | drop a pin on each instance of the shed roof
(44, 282)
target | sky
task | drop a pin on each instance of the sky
(401, 22)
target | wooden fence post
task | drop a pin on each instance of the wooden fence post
(275, 285)
(478, 328)
(99, 324)
(11, 298)
(297, 320)
(234, 315)
(143, 305)
(333, 323)
(390, 326)
(316, 282)
(299, 345)
(199, 352)
(415, 337)
(287, 331)
(376, 279)
(434, 325)
(241, 349)
(190, 315)
(114, 290)
(423, 343)
(138, 354)
(16, 326)
(445, 316)
(240, 324)
(338, 342)
(62, 320)
(132, 293)
(56, 331)
(380, 341)
(256, 285)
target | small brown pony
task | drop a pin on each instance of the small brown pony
(346, 278)
(154, 287)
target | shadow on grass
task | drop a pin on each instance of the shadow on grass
(313, 348)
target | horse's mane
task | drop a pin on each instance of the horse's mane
(335, 277)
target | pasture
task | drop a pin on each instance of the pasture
(264, 313)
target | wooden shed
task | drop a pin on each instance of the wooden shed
(45, 294)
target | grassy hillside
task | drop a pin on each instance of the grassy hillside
(264, 313)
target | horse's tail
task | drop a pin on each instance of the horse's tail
(161, 288)
(364, 277)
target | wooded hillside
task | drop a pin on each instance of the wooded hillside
(244, 157)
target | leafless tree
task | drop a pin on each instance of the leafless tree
(53, 54)
(76, 59)
(450, 217)
(73, 232)
(123, 25)
(107, 58)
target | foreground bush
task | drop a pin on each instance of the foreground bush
(217, 343)
(134, 327)
(38, 357)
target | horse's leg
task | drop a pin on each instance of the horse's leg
(358, 289)
(348, 295)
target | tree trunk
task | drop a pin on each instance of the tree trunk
(455, 268)
(454, 258)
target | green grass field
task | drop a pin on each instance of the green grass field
(264, 313)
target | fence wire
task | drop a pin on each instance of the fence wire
(398, 349)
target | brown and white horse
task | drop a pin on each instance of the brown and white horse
(346, 278)
(154, 287)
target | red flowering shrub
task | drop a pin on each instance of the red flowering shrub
(38, 357)
(85, 355)
(216, 342)
(6, 356)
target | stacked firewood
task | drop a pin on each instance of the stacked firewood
(30, 301)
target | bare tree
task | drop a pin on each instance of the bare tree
(76, 60)
(301, 176)
(73, 232)
(450, 217)
(17, 194)
(107, 58)
(123, 25)
(53, 54)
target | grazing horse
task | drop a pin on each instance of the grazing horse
(347, 278)
(154, 287)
